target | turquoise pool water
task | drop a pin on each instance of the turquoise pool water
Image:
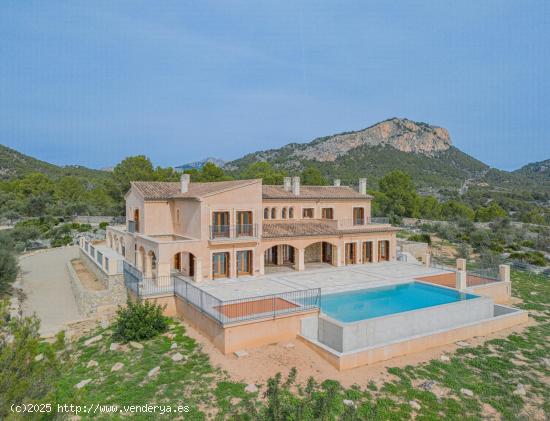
(352, 306)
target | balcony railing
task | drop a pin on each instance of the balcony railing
(223, 312)
(357, 222)
(220, 232)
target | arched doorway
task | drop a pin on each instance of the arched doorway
(279, 257)
(151, 264)
(320, 253)
(184, 263)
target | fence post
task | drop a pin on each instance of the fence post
(273, 305)
(461, 264)
(427, 260)
(504, 273)
(461, 280)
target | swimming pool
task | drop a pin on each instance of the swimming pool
(352, 306)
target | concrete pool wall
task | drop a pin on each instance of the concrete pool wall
(344, 337)
(502, 317)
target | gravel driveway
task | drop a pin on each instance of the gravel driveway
(46, 284)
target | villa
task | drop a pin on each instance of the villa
(251, 264)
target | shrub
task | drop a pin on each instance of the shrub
(103, 225)
(139, 320)
(8, 270)
(421, 238)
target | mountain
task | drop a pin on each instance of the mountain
(536, 171)
(14, 164)
(422, 150)
(199, 164)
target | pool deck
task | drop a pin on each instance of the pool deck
(329, 278)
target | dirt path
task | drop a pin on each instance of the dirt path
(45, 282)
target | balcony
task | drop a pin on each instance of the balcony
(360, 223)
(232, 232)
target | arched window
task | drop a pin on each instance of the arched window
(291, 213)
(273, 213)
(283, 213)
(266, 213)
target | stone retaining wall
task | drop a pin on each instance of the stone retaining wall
(97, 303)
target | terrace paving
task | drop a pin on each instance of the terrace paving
(330, 279)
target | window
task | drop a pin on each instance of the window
(283, 213)
(307, 213)
(220, 224)
(266, 213)
(273, 213)
(291, 213)
(328, 213)
(358, 216)
(244, 223)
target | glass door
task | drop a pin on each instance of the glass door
(244, 223)
(367, 252)
(350, 253)
(244, 262)
(220, 224)
(220, 265)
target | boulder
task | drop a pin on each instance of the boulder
(177, 357)
(153, 372)
(520, 390)
(83, 383)
(93, 340)
(467, 392)
(92, 363)
(114, 347)
(39, 357)
(415, 405)
(251, 388)
(135, 345)
(174, 345)
(462, 344)
(427, 385)
(445, 358)
(117, 366)
(348, 402)
(241, 354)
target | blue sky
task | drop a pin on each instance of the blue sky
(90, 82)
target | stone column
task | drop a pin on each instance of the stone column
(427, 260)
(374, 251)
(461, 278)
(461, 264)
(358, 252)
(148, 266)
(198, 270)
(232, 264)
(280, 249)
(261, 263)
(337, 256)
(299, 256)
(504, 273)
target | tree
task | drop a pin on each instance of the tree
(430, 208)
(133, 168)
(265, 171)
(490, 213)
(452, 210)
(211, 172)
(400, 197)
(311, 176)
(8, 270)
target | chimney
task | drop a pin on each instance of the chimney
(184, 182)
(288, 183)
(363, 186)
(296, 186)
(336, 182)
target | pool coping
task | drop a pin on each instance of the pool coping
(345, 324)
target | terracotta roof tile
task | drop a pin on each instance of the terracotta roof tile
(315, 227)
(313, 192)
(159, 190)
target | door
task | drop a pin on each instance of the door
(358, 216)
(220, 224)
(244, 262)
(191, 264)
(136, 220)
(384, 250)
(327, 253)
(220, 265)
(177, 261)
(288, 254)
(244, 223)
(350, 253)
(367, 252)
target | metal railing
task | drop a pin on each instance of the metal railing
(220, 232)
(379, 220)
(483, 276)
(222, 311)
(356, 222)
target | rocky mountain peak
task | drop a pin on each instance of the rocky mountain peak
(402, 134)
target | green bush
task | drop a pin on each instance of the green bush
(533, 257)
(139, 320)
(103, 225)
(84, 227)
(421, 238)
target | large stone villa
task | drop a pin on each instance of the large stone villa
(240, 228)
(251, 264)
